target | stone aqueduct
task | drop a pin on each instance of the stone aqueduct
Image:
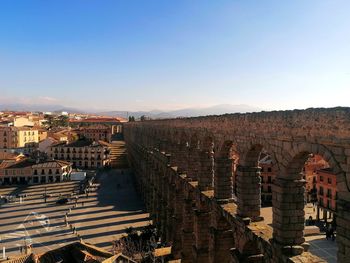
(185, 169)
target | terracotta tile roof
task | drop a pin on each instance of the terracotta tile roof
(98, 120)
(51, 164)
(21, 164)
(28, 163)
(8, 156)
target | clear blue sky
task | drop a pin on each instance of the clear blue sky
(129, 54)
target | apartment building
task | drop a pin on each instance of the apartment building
(83, 153)
(18, 139)
(26, 171)
(96, 132)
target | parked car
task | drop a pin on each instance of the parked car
(62, 201)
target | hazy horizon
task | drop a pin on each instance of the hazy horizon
(122, 55)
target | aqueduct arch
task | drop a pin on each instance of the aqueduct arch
(194, 168)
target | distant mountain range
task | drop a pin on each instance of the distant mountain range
(188, 112)
(37, 107)
(154, 114)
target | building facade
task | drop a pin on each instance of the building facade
(267, 175)
(84, 154)
(29, 172)
(326, 192)
(96, 132)
(310, 172)
(18, 139)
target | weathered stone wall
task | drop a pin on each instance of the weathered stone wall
(201, 147)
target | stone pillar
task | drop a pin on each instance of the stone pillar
(342, 219)
(177, 222)
(249, 192)
(201, 235)
(223, 179)
(174, 155)
(170, 235)
(221, 240)
(183, 155)
(193, 164)
(206, 173)
(187, 231)
(288, 215)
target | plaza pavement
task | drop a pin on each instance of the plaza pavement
(319, 245)
(98, 219)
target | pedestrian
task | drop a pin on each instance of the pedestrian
(331, 233)
(74, 230)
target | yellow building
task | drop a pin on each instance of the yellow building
(26, 136)
(18, 138)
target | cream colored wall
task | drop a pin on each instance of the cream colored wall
(27, 136)
(20, 122)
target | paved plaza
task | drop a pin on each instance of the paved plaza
(319, 245)
(98, 218)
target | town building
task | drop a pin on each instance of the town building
(267, 175)
(96, 132)
(18, 139)
(310, 171)
(77, 252)
(326, 192)
(22, 122)
(42, 133)
(116, 124)
(83, 153)
(27, 171)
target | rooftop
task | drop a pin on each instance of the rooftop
(72, 253)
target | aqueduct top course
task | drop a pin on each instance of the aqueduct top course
(207, 151)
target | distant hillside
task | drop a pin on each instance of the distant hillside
(155, 114)
(189, 112)
(37, 107)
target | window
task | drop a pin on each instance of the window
(329, 180)
(269, 190)
(42, 171)
(269, 169)
(57, 171)
(320, 191)
(269, 179)
(329, 193)
(50, 171)
(35, 172)
(321, 178)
